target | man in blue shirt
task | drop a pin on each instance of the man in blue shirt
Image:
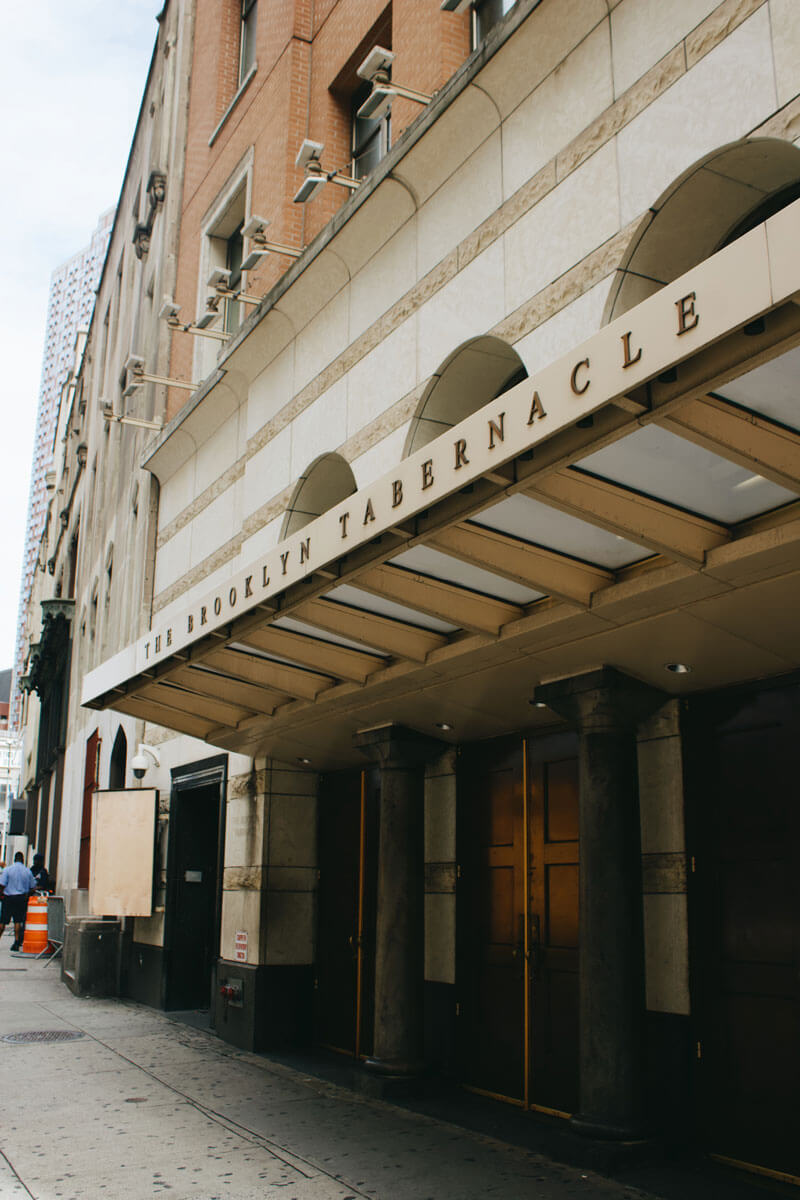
(17, 883)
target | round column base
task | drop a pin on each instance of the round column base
(608, 1131)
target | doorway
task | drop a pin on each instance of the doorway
(517, 972)
(345, 969)
(745, 924)
(194, 879)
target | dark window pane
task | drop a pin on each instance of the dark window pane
(487, 14)
(247, 53)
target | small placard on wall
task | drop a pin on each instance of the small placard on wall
(240, 945)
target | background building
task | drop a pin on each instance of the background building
(69, 307)
(10, 763)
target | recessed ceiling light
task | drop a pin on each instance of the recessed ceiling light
(537, 703)
(304, 761)
(443, 726)
(677, 668)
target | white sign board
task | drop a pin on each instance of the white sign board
(122, 852)
(240, 946)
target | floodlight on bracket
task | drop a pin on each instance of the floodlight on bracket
(110, 417)
(255, 230)
(136, 376)
(220, 281)
(375, 68)
(169, 313)
(308, 159)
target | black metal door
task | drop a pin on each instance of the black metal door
(746, 925)
(191, 947)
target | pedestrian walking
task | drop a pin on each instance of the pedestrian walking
(17, 882)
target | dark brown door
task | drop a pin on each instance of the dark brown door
(517, 960)
(490, 922)
(554, 867)
(746, 927)
(345, 968)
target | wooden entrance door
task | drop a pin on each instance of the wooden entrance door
(490, 919)
(345, 968)
(518, 921)
(746, 928)
(554, 868)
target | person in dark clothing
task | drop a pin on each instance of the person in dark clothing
(43, 881)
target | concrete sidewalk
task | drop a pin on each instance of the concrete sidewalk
(140, 1105)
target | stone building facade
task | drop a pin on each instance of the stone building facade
(69, 308)
(471, 659)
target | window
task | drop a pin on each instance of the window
(234, 253)
(369, 139)
(485, 15)
(247, 50)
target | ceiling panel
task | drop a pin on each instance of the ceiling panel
(454, 570)
(322, 635)
(772, 389)
(523, 517)
(670, 468)
(356, 598)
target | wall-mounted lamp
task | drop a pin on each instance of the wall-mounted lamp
(169, 312)
(220, 281)
(375, 68)
(136, 375)
(144, 757)
(255, 230)
(308, 159)
(107, 409)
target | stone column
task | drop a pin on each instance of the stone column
(401, 754)
(605, 706)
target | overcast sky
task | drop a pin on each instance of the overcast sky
(73, 75)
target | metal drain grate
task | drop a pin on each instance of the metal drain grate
(43, 1035)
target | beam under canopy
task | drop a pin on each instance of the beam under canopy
(397, 638)
(535, 567)
(458, 605)
(660, 527)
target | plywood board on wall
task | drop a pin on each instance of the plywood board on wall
(123, 841)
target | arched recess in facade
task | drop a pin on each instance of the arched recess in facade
(718, 199)
(474, 374)
(328, 480)
(119, 761)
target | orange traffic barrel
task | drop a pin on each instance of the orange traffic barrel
(35, 940)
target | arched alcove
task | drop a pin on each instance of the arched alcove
(473, 375)
(719, 198)
(119, 761)
(328, 480)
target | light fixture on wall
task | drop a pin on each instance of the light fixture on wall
(456, 6)
(143, 759)
(255, 230)
(375, 68)
(169, 312)
(220, 281)
(110, 417)
(136, 375)
(308, 158)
